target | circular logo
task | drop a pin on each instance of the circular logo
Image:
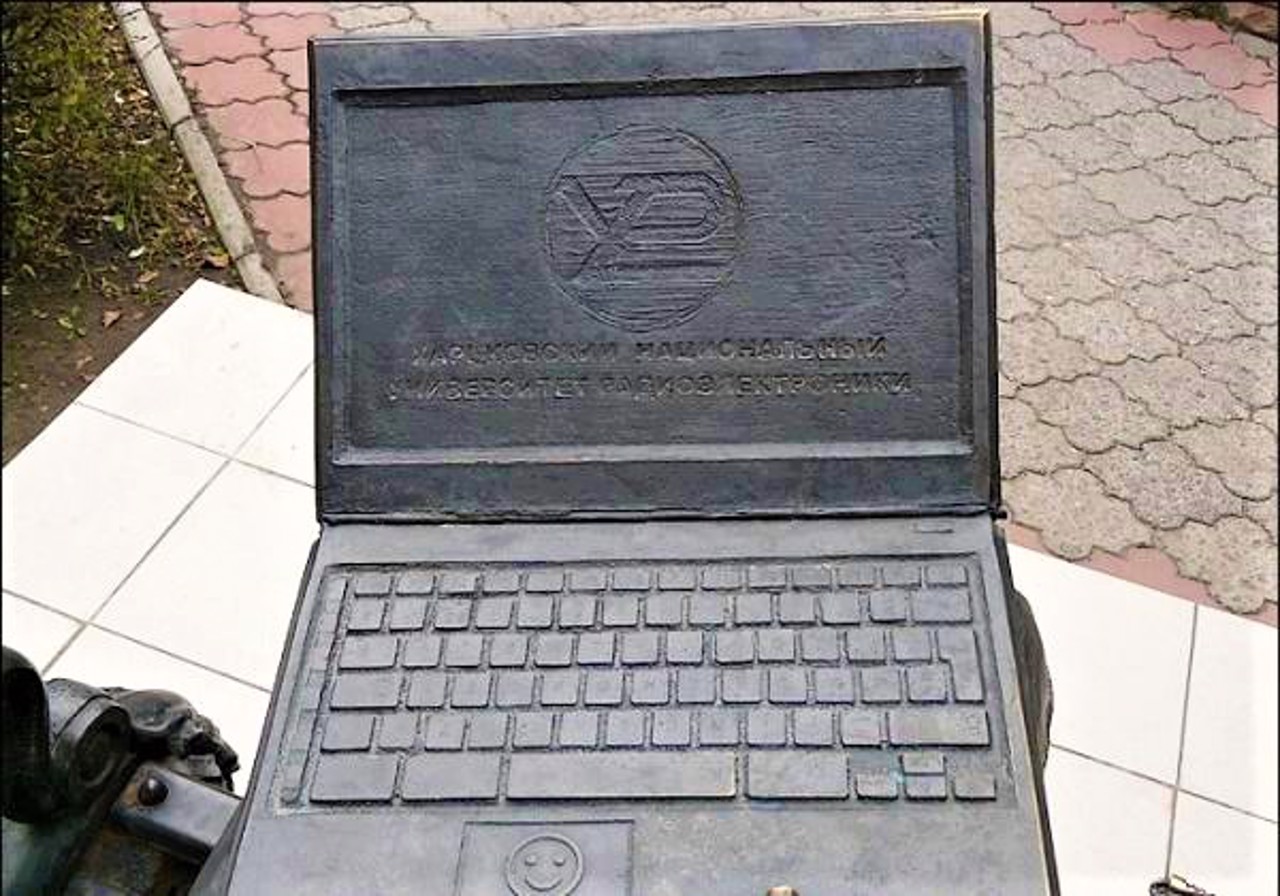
(642, 227)
(545, 865)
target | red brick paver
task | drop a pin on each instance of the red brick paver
(289, 32)
(286, 221)
(1080, 13)
(264, 171)
(227, 42)
(270, 122)
(1117, 42)
(1260, 100)
(181, 15)
(293, 273)
(248, 79)
(1225, 65)
(1178, 34)
(293, 65)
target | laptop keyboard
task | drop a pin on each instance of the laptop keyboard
(823, 680)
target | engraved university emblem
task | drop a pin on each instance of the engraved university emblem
(642, 227)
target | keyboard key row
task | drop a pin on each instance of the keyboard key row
(589, 729)
(663, 610)
(664, 578)
(630, 775)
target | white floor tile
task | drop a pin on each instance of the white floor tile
(84, 502)
(1224, 851)
(209, 368)
(286, 441)
(1118, 657)
(1232, 748)
(104, 660)
(221, 586)
(36, 633)
(1110, 828)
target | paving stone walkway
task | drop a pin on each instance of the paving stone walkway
(1137, 226)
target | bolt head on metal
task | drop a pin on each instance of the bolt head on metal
(152, 792)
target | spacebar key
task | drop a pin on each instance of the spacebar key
(627, 776)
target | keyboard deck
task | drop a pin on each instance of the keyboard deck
(835, 680)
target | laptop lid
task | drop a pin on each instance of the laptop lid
(730, 271)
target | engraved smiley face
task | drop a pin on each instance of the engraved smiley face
(545, 865)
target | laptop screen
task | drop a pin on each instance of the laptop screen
(751, 264)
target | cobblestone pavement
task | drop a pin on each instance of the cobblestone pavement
(1136, 215)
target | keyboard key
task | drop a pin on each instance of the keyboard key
(623, 775)
(776, 645)
(911, 644)
(875, 786)
(851, 575)
(664, 609)
(544, 581)
(532, 730)
(865, 646)
(624, 729)
(621, 609)
(684, 647)
(534, 612)
(421, 651)
(595, 649)
(938, 605)
(943, 726)
(368, 652)
(812, 728)
(347, 778)
(487, 731)
(366, 691)
(514, 689)
(740, 686)
(926, 787)
(471, 690)
(718, 728)
(630, 579)
(767, 728)
(554, 650)
(399, 731)
(969, 785)
(797, 776)
(927, 684)
(923, 764)
(650, 687)
(811, 577)
(946, 574)
(841, 608)
(671, 728)
(767, 577)
(366, 615)
(833, 685)
(735, 647)
(604, 688)
(695, 686)
(500, 581)
(458, 582)
(368, 584)
(707, 609)
(881, 685)
(639, 648)
(444, 732)
(579, 729)
(577, 611)
(788, 685)
(900, 574)
(860, 728)
(452, 615)
(888, 606)
(794, 608)
(508, 651)
(560, 688)
(463, 651)
(416, 582)
(494, 612)
(426, 690)
(959, 648)
(753, 608)
(820, 645)
(721, 578)
(344, 731)
(587, 579)
(677, 578)
(408, 614)
(464, 777)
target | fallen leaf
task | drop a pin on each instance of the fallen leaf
(83, 362)
(146, 277)
(109, 317)
(217, 260)
(137, 253)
